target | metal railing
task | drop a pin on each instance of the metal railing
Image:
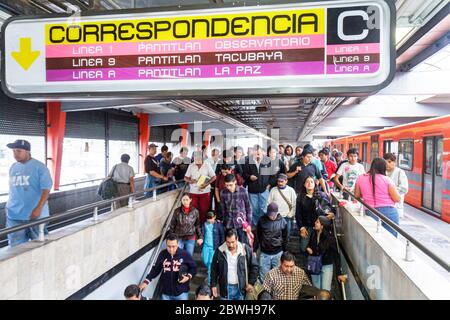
(409, 239)
(155, 253)
(80, 211)
(74, 184)
(90, 181)
(79, 182)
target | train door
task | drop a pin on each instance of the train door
(432, 173)
(373, 147)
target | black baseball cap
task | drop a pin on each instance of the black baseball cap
(20, 144)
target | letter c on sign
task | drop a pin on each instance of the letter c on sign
(353, 37)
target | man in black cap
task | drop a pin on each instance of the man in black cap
(153, 171)
(271, 238)
(29, 187)
(286, 198)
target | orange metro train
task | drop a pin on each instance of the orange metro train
(423, 152)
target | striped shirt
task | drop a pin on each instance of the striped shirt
(285, 287)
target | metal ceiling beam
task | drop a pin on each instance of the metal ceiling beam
(68, 106)
(166, 119)
(442, 14)
(426, 53)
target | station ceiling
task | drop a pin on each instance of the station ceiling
(421, 25)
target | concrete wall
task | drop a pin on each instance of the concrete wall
(75, 255)
(113, 288)
(379, 260)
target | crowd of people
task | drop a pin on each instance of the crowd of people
(241, 210)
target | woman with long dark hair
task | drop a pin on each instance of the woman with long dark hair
(323, 243)
(379, 191)
(308, 208)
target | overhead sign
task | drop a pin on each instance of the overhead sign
(333, 47)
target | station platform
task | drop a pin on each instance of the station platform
(431, 232)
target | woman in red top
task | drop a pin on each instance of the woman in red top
(186, 225)
(330, 166)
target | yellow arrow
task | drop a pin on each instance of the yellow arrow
(25, 57)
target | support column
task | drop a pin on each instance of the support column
(56, 125)
(184, 134)
(144, 136)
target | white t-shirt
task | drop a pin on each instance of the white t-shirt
(283, 207)
(232, 261)
(194, 172)
(350, 173)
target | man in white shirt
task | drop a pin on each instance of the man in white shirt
(123, 176)
(200, 193)
(234, 269)
(286, 198)
(350, 171)
(400, 180)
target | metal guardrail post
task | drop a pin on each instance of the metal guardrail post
(130, 202)
(154, 195)
(378, 226)
(95, 217)
(41, 232)
(362, 211)
(408, 252)
(112, 206)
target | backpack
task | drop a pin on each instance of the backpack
(108, 188)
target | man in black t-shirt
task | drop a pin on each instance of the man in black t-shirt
(303, 168)
(153, 171)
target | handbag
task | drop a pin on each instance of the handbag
(314, 264)
(108, 188)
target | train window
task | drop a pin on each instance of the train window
(350, 146)
(406, 154)
(364, 152)
(428, 156)
(439, 154)
(387, 146)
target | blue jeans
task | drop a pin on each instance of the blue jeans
(305, 241)
(151, 182)
(389, 212)
(207, 256)
(187, 245)
(182, 296)
(258, 202)
(267, 262)
(234, 293)
(290, 223)
(323, 280)
(24, 235)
